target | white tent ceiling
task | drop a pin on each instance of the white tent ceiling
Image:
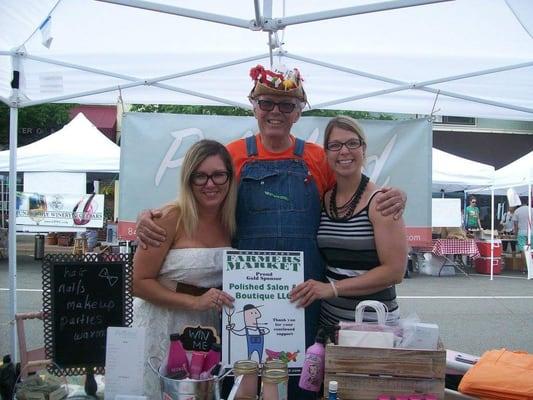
(355, 62)
(78, 147)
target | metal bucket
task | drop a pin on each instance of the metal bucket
(187, 389)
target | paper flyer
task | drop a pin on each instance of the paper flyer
(264, 324)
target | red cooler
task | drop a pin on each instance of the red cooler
(482, 265)
(484, 248)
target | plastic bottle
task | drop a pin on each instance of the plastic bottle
(313, 367)
(213, 357)
(177, 357)
(332, 390)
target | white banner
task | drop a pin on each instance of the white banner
(264, 324)
(60, 210)
(153, 146)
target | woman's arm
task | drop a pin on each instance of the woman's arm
(147, 264)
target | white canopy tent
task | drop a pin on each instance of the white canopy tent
(452, 173)
(518, 175)
(464, 57)
(78, 147)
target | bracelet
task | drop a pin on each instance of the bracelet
(335, 291)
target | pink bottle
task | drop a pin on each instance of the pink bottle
(177, 357)
(213, 357)
(313, 367)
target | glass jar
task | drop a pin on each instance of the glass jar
(275, 364)
(248, 388)
(275, 383)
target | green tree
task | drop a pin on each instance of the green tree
(237, 111)
(45, 116)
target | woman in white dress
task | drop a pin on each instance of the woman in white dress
(178, 283)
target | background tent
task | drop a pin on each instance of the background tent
(518, 174)
(78, 147)
(452, 173)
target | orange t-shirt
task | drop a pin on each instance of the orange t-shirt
(314, 157)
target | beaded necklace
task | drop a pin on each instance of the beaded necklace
(345, 211)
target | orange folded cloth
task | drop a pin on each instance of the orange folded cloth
(500, 374)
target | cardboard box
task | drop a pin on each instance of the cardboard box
(514, 263)
(365, 373)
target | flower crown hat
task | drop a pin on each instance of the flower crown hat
(280, 82)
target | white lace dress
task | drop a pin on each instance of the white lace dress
(200, 267)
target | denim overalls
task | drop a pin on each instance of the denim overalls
(278, 208)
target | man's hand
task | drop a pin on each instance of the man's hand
(148, 232)
(391, 201)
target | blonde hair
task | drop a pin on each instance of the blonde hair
(186, 203)
(346, 123)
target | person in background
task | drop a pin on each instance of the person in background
(365, 252)
(522, 220)
(507, 225)
(178, 283)
(281, 180)
(472, 215)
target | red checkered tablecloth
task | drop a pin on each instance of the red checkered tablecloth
(456, 246)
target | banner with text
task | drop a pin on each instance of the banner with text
(153, 146)
(61, 210)
(264, 324)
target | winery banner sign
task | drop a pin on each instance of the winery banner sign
(61, 210)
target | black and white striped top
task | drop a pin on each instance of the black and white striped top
(349, 249)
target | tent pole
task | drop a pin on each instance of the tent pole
(416, 86)
(151, 80)
(12, 224)
(349, 11)
(492, 234)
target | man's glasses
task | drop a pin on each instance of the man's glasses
(351, 144)
(218, 178)
(473, 202)
(285, 107)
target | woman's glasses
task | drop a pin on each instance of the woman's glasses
(218, 178)
(351, 144)
(285, 107)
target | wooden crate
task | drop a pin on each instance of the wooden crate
(514, 263)
(365, 373)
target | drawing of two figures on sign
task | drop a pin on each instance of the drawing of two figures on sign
(254, 333)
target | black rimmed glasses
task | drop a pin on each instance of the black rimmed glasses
(217, 177)
(286, 107)
(351, 144)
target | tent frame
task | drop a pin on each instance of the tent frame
(262, 22)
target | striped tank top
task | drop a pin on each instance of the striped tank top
(349, 248)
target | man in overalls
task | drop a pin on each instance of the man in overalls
(255, 334)
(281, 183)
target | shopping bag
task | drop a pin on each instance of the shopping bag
(500, 374)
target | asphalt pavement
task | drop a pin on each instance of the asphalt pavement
(474, 314)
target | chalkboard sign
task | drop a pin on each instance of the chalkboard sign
(83, 295)
(199, 338)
